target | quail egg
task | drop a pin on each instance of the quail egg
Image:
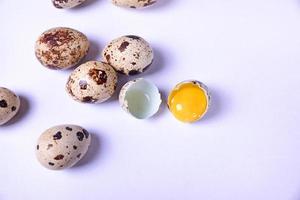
(92, 82)
(189, 101)
(62, 146)
(140, 98)
(67, 3)
(129, 55)
(61, 48)
(9, 105)
(133, 3)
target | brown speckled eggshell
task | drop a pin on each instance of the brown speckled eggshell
(92, 82)
(67, 3)
(128, 55)
(133, 3)
(9, 105)
(62, 146)
(61, 48)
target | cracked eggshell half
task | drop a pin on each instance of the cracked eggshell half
(140, 98)
(92, 82)
(129, 55)
(62, 146)
(9, 105)
(61, 4)
(133, 3)
(61, 48)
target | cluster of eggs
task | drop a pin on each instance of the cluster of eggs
(61, 48)
(96, 81)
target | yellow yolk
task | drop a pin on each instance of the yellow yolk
(188, 102)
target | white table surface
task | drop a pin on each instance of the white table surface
(246, 148)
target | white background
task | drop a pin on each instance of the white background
(246, 148)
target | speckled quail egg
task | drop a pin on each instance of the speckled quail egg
(92, 82)
(129, 55)
(62, 146)
(67, 3)
(61, 48)
(189, 101)
(133, 3)
(9, 105)
(140, 98)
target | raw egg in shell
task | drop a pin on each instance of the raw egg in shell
(189, 101)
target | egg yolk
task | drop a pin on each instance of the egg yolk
(188, 102)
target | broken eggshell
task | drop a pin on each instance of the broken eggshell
(140, 98)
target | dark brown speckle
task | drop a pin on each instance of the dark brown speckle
(69, 128)
(80, 136)
(123, 46)
(13, 108)
(59, 157)
(3, 103)
(88, 99)
(57, 136)
(99, 76)
(49, 146)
